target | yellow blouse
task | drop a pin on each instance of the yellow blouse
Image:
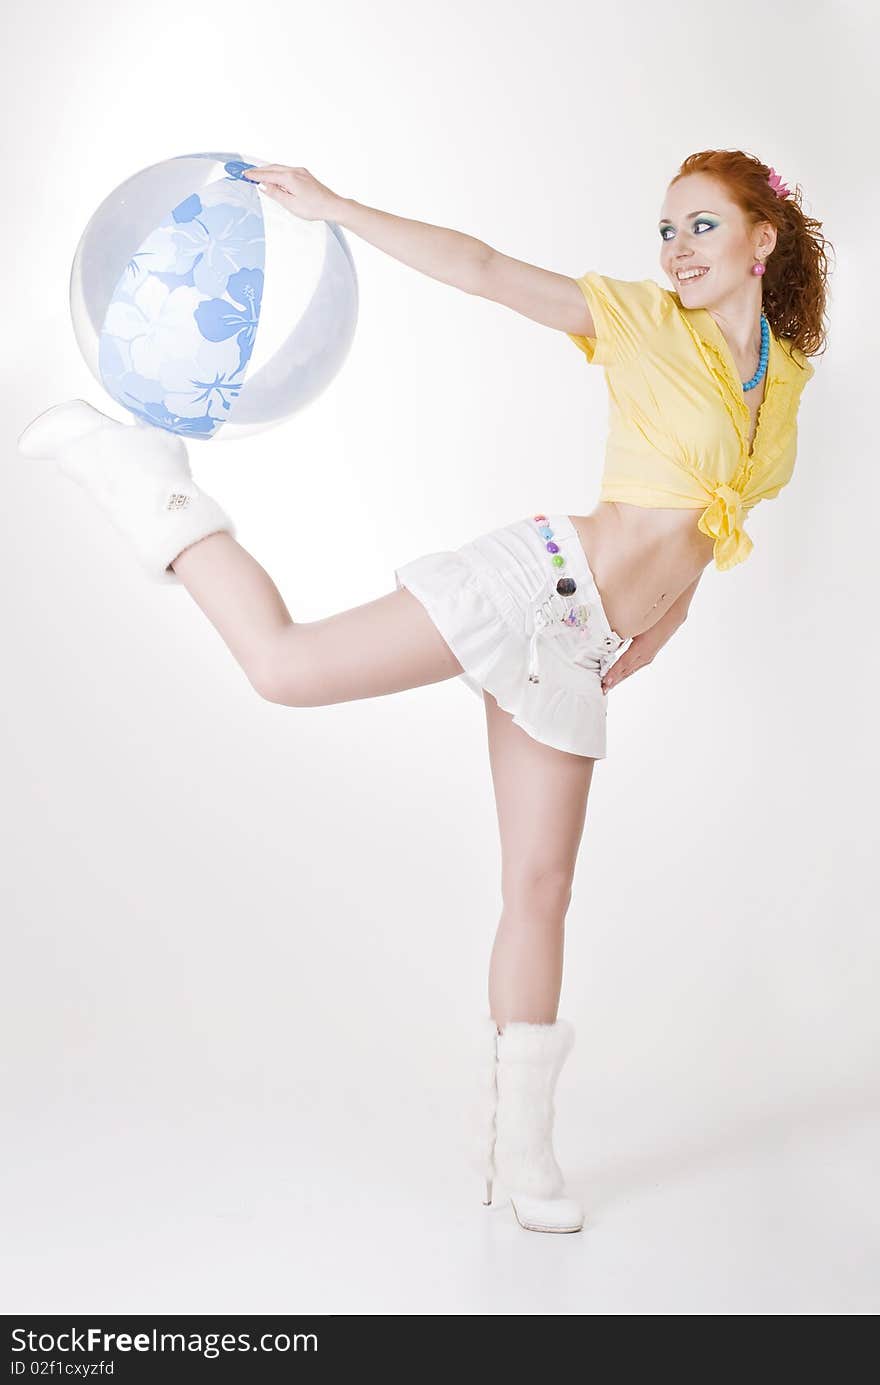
(678, 420)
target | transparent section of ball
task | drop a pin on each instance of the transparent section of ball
(206, 308)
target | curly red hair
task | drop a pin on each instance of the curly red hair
(794, 288)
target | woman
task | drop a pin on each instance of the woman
(541, 617)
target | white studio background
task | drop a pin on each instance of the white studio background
(245, 945)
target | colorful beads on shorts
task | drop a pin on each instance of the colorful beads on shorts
(565, 586)
(557, 609)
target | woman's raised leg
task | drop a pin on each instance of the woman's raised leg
(141, 476)
(381, 647)
(541, 799)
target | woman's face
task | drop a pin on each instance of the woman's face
(701, 228)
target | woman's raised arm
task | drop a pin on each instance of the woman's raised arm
(555, 300)
(457, 259)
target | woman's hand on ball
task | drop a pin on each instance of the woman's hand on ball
(297, 190)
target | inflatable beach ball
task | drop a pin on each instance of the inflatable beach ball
(206, 308)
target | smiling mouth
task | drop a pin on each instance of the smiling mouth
(692, 279)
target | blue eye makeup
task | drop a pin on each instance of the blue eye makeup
(701, 221)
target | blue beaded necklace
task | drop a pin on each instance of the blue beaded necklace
(764, 357)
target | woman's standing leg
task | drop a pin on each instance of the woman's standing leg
(383, 646)
(541, 799)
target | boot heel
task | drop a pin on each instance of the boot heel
(482, 1111)
(57, 426)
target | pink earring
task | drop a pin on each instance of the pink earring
(758, 267)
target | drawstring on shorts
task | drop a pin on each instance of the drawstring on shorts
(549, 617)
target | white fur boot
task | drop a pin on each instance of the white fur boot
(139, 474)
(528, 1060)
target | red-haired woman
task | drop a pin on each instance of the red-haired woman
(542, 616)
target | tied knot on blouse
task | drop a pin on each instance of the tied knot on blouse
(722, 520)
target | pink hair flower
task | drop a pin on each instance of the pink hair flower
(777, 184)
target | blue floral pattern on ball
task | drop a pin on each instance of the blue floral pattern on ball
(181, 325)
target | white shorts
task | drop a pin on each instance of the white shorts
(520, 610)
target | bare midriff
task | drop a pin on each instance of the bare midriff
(642, 559)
